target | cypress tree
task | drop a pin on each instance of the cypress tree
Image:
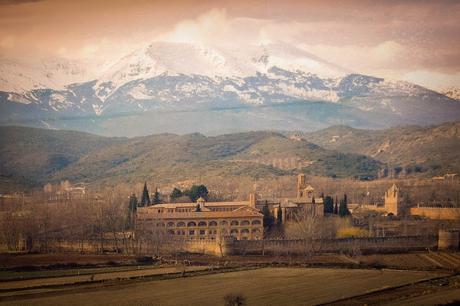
(343, 208)
(268, 218)
(145, 199)
(328, 205)
(156, 197)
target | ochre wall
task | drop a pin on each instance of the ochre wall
(436, 213)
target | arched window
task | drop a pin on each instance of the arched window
(180, 232)
(170, 232)
(256, 222)
(256, 230)
(234, 231)
(224, 223)
(234, 222)
(245, 222)
(212, 223)
(202, 223)
(191, 223)
(181, 224)
(244, 231)
(170, 224)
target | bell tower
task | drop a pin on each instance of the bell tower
(301, 184)
(393, 200)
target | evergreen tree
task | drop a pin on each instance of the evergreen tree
(343, 207)
(328, 205)
(197, 191)
(268, 218)
(175, 194)
(156, 197)
(279, 216)
(145, 199)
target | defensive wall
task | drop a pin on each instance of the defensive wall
(438, 213)
(229, 246)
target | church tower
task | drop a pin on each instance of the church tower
(393, 200)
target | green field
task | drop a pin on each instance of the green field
(268, 286)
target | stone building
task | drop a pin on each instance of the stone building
(393, 201)
(305, 202)
(204, 220)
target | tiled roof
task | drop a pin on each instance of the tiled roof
(244, 212)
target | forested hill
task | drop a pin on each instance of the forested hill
(412, 149)
(33, 157)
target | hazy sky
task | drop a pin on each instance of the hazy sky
(417, 41)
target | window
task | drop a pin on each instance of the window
(224, 223)
(256, 230)
(212, 223)
(202, 232)
(191, 223)
(191, 232)
(256, 222)
(201, 223)
(234, 222)
(181, 224)
(170, 232)
(234, 231)
(244, 231)
(245, 222)
(180, 232)
(170, 224)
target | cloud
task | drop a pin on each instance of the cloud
(16, 2)
(432, 79)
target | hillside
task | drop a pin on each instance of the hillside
(430, 150)
(35, 156)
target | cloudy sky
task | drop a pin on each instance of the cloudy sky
(411, 40)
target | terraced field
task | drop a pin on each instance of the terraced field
(267, 286)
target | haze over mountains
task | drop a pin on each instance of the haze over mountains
(191, 87)
(32, 157)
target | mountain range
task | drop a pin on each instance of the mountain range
(190, 87)
(33, 157)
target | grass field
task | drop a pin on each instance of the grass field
(268, 286)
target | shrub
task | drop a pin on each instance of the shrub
(348, 232)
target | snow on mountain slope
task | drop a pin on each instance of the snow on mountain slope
(199, 59)
(452, 92)
(56, 74)
(192, 76)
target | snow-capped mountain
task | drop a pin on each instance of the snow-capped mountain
(171, 77)
(19, 77)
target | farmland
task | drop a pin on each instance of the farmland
(266, 286)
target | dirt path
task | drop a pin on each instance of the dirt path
(66, 280)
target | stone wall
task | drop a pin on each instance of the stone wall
(302, 247)
(438, 213)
